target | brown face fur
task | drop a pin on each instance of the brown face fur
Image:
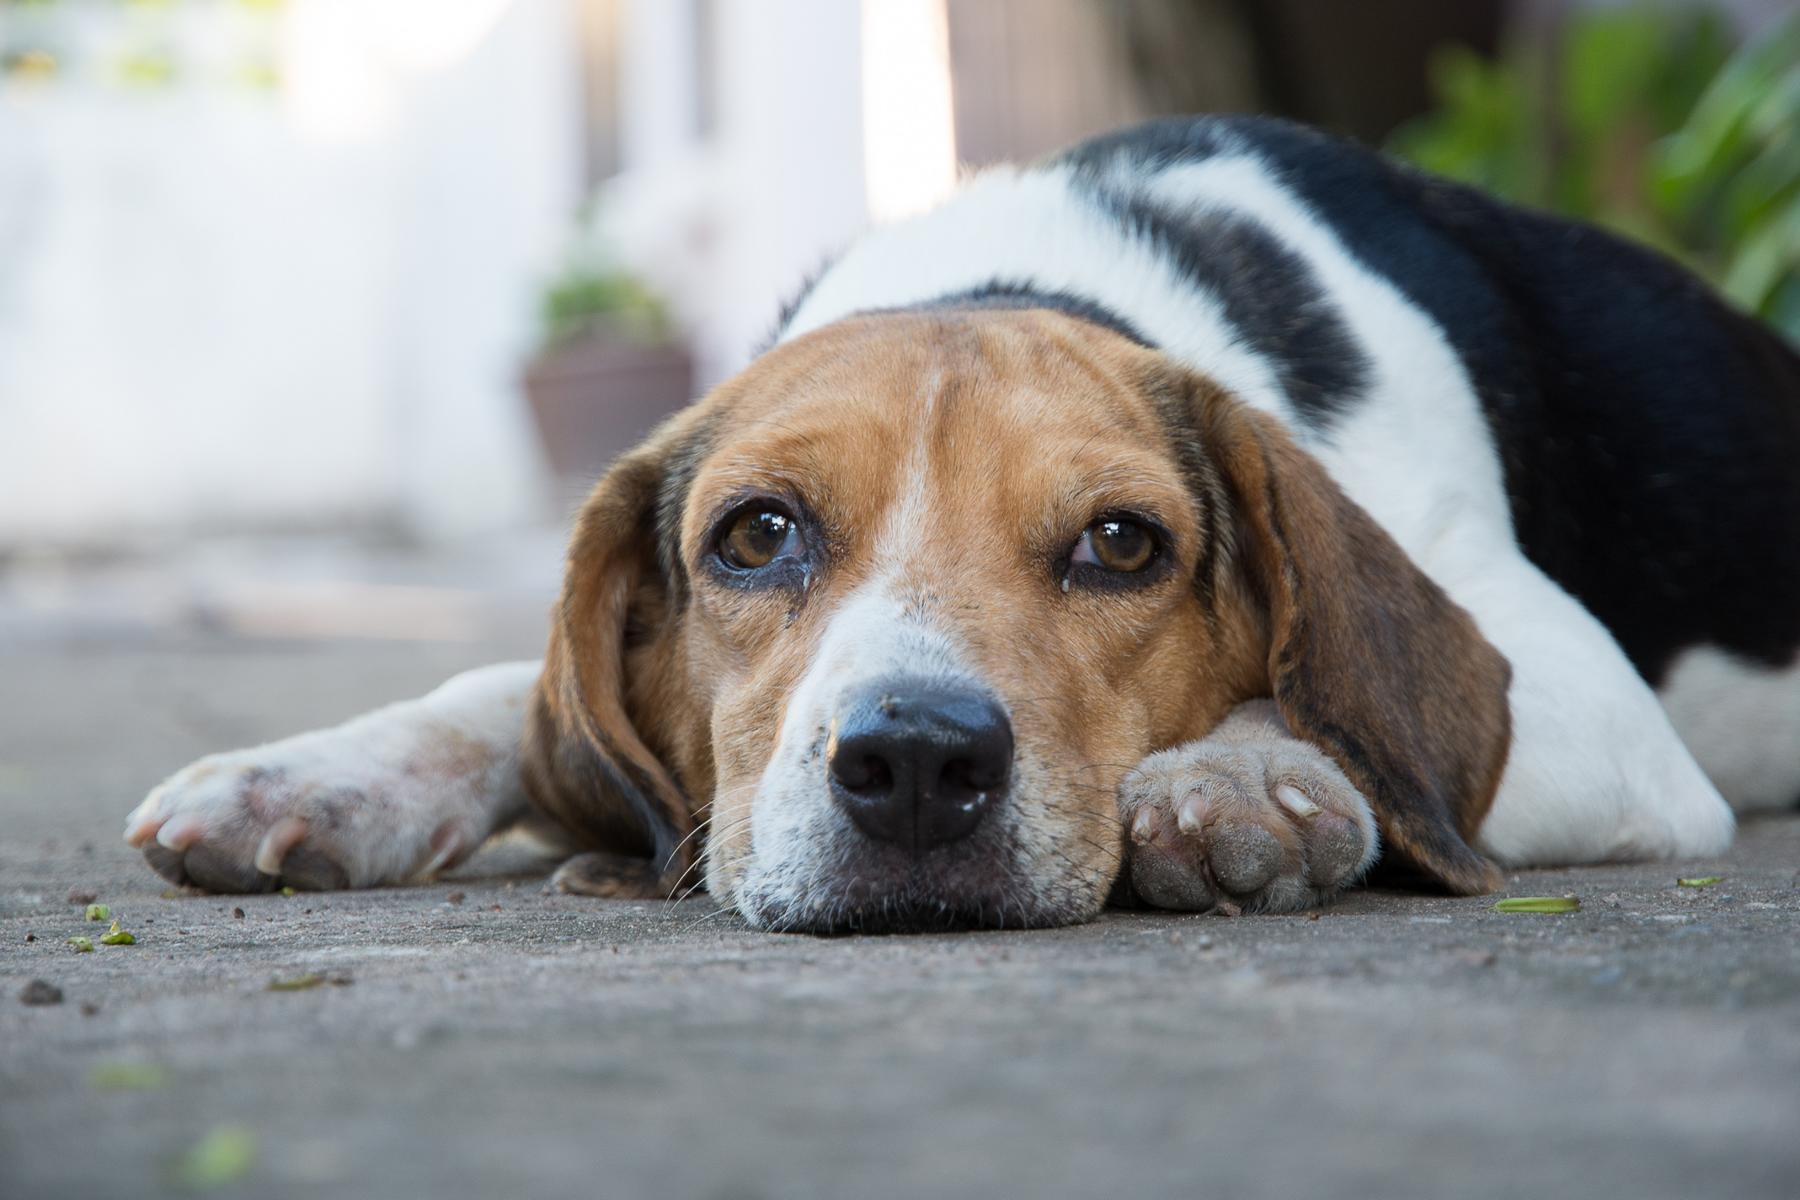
(941, 468)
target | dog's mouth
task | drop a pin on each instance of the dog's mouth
(904, 915)
(985, 884)
(866, 911)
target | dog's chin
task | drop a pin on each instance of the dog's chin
(902, 914)
(881, 898)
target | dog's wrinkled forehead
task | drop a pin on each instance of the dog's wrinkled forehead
(932, 443)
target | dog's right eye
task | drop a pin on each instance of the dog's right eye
(756, 537)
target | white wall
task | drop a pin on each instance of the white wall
(727, 225)
(221, 309)
(790, 136)
(808, 142)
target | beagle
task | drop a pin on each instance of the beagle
(1199, 517)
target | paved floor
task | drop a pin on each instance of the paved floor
(478, 1038)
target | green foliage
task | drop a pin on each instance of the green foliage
(1648, 121)
(587, 297)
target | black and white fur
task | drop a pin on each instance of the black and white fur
(1573, 437)
(1581, 444)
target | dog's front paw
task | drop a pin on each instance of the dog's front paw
(348, 808)
(1251, 822)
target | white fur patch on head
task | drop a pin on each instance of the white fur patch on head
(998, 227)
(798, 834)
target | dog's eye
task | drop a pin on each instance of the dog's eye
(1116, 544)
(756, 537)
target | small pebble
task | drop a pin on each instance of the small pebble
(83, 895)
(456, 897)
(237, 914)
(1204, 941)
(40, 991)
(31, 937)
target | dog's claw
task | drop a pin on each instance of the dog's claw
(1295, 801)
(142, 824)
(180, 832)
(1143, 828)
(447, 846)
(282, 837)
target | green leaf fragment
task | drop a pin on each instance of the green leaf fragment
(117, 937)
(127, 1077)
(312, 979)
(99, 912)
(1538, 904)
(1701, 881)
(287, 891)
(223, 1156)
(82, 945)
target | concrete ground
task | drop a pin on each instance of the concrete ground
(479, 1038)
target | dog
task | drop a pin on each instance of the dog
(1196, 518)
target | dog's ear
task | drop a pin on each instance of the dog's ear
(1368, 658)
(602, 701)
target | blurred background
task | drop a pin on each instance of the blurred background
(316, 316)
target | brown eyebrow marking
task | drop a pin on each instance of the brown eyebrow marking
(1176, 407)
(670, 509)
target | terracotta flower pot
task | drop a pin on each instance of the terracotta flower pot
(596, 396)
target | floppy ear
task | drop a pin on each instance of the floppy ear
(1368, 658)
(587, 765)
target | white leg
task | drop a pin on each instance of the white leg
(1742, 721)
(1596, 773)
(392, 795)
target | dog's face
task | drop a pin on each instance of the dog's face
(927, 659)
(895, 611)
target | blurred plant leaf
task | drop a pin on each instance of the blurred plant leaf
(586, 298)
(224, 1156)
(1646, 120)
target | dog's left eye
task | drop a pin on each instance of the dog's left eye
(756, 536)
(1116, 544)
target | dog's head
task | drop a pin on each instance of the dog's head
(886, 619)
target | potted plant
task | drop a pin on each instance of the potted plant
(609, 368)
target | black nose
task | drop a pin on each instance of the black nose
(920, 766)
